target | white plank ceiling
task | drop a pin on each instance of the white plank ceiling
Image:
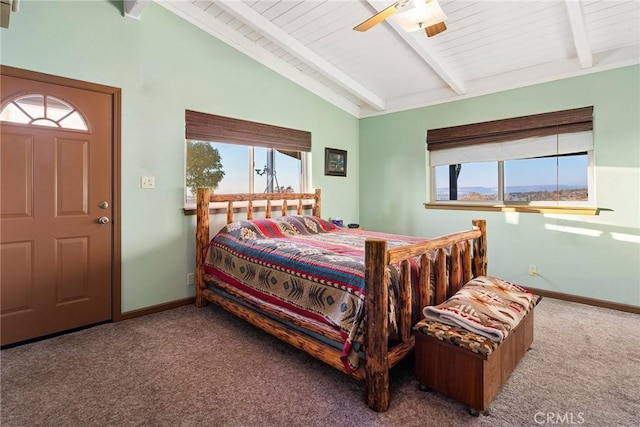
(489, 45)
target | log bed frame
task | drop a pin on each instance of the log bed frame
(468, 246)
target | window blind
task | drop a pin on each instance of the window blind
(521, 149)
(548, 134)
(518, 128)
(213, 128)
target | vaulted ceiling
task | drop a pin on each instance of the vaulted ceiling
(489, 45)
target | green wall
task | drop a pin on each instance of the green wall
(163, 66)
(591, 256)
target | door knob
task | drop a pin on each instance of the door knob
(103, 220)
(103, 205)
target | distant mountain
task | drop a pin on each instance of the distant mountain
(479, 190)
(462, 191)
(534, 188)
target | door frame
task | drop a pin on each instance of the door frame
(116, 97)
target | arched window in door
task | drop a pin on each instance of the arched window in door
(42, 110)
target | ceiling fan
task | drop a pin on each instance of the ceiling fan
(412, 15)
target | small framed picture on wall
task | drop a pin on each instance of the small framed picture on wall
(335, 162)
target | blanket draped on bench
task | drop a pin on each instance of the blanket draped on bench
(487, 306)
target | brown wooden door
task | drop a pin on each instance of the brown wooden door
(56, 172)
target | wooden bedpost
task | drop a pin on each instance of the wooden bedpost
(442, 284)
(480, 249)
(202, 240)
(455, 271)
(376, 333)
(316, 203)
(467, 270)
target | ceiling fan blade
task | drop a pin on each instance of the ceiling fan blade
(434, 29)
(381, 16)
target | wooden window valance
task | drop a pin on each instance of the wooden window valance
(567, 121)
(209, 127)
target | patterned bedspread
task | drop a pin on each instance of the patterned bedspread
(307, 265)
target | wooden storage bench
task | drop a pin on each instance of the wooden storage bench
(466, 366)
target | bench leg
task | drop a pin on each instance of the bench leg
(425, 388)
(476, 412)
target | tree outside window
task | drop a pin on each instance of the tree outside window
(204, 166)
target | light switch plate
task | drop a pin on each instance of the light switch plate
(148, 182)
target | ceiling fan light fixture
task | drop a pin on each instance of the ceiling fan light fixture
(435, 29)
(424, 15)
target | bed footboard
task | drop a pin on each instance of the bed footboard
(464, 264)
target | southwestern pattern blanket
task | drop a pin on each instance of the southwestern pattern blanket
(307, 265)
(488, 306)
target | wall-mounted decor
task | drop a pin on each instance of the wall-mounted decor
(335, 162)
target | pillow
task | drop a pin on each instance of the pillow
(306, 224)
(270, 228)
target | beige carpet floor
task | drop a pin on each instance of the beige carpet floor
(204, 367)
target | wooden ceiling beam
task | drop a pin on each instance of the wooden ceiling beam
(133, 8)
(418, 42)
(579, 30)
(275, 34)
(206, 22)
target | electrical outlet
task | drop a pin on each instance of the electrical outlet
(148, 182)
(533, 270)
(191, 279)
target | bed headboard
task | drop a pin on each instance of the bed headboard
(289, 201)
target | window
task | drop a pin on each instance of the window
(552, 179)
(544, 159)
(471, 181)
(237, 156)
(42, 110)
